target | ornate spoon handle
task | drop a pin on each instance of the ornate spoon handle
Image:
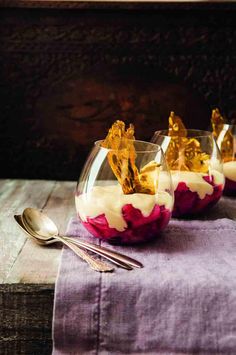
(94, 263)
(111, 256)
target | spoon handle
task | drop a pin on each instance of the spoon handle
(94, 263)
(111, 258)
(105, 252)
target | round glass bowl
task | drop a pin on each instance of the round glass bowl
(196, 170)
(114, 216)
(227, 144)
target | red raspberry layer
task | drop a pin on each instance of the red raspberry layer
(188, 203)
(139, 228)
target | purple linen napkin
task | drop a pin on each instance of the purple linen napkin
(182, 302)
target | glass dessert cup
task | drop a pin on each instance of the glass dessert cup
(196, 170)
(227, 144)
(109, 214)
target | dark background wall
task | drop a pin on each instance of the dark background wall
(68, 71)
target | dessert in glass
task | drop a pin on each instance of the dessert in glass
(195, 164)
(225, 135)
(124, 194)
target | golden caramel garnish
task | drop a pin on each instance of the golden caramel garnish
(122, 161)
(148, 178)
(224, 137)
(176, 126)
(184, 153)
(175, 154)
(225, 141)
(217, 122)
(122, 155)
(196, 160)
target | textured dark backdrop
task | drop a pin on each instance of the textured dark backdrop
(66, 74)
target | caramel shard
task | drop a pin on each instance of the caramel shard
(226, 144)
(184, 153)
(224, 137)
(122, 156)
(217, 122)
(122, 161)
(148, 178)
(175, 154)
(196, 160)
(176, 126)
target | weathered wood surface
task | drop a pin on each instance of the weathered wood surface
(28, 271)
(26, 319)
(21, 259)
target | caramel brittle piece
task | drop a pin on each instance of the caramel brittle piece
(176, 126)
(224, 137)
(122, 155)
(217, 122)
(175, 154)
(184, 153)
(226, 144)
(148, 178)
(122, 161)
(196, 160)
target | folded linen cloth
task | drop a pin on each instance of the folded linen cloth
(182, 302)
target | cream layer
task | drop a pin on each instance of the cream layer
(196, 182)
(229, 169)
(110, 199)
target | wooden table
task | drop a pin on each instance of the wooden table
(28, 271)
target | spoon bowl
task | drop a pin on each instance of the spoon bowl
(39, 224)
(18, 219)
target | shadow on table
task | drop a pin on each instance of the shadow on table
(225, 208)
(177, 238)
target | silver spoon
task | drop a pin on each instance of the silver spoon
(43, 242)
(44, 228)
(95, 264)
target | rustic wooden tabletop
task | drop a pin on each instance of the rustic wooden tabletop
(27, 270)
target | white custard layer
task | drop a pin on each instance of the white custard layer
(109, 200)
(195, 181)
(229, 169)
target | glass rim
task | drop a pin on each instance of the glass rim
(156, 150)
(229, 125)
(196, 133)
